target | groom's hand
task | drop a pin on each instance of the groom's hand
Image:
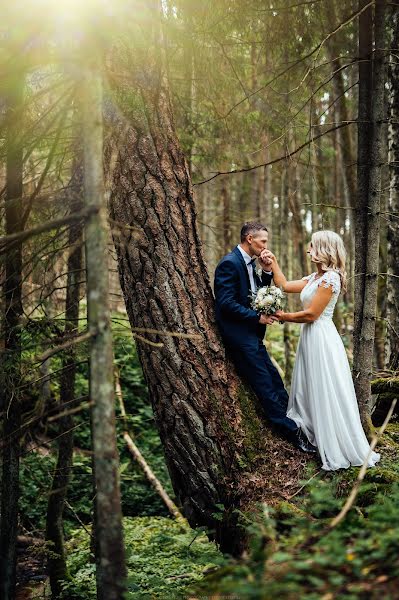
(267, 319)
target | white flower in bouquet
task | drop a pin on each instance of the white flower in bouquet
(268, 300)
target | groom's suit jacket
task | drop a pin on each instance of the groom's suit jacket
(237, 321)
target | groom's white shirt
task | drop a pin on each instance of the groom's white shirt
(248, 260)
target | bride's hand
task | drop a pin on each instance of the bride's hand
(266, 259)
(280, 315)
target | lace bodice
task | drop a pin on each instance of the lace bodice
(328, 279)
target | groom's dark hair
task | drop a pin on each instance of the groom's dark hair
(251, 227)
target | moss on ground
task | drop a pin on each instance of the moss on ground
(163, 556)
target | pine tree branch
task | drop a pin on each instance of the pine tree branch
(21, 236)
(276, 160)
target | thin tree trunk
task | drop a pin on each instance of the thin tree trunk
(242, 197)
(392, 298)
(267, 205)
(297, 221)
(363, 166)
(320, 190)
(283, 253)
(380, 330)
(57, 567)
(313, 191)
(336, 194)
(189, 90)
(226, 209)
(12, 351)
(110, 558)
(254, 175)
(261, 191)
(348, 154)
(364, 360)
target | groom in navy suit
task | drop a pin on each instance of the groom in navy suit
(243, 329)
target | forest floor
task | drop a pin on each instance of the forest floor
(292, 554)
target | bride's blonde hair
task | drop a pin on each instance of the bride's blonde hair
(329, 251)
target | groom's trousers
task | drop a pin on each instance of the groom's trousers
(253, 364)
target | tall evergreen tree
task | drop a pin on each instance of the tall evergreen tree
(11, 359)
(111, 570)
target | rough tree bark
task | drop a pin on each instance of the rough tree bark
(12, 350)
(369, 209)
(57, 567)
(392, 300)
(111, 571)
(217, 449)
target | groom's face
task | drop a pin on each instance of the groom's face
(258, 242)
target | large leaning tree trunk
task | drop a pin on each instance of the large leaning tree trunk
(217, 447)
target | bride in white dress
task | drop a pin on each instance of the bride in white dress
(322, 399)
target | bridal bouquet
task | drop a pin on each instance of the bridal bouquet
(268, 299)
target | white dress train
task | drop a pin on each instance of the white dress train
(322, 399)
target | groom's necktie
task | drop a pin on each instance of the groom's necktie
(252, 275)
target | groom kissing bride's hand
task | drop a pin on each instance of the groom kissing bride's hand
(321, 382)
(266, 259)
(243, 329)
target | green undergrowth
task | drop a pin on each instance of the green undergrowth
(162, 556)
(292, 555)
(138, 497)
(295, 554)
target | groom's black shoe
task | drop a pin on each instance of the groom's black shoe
(303, 443)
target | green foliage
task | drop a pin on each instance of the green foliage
(163, 556)
(138, 497)
(35, 478)
(294, 554)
